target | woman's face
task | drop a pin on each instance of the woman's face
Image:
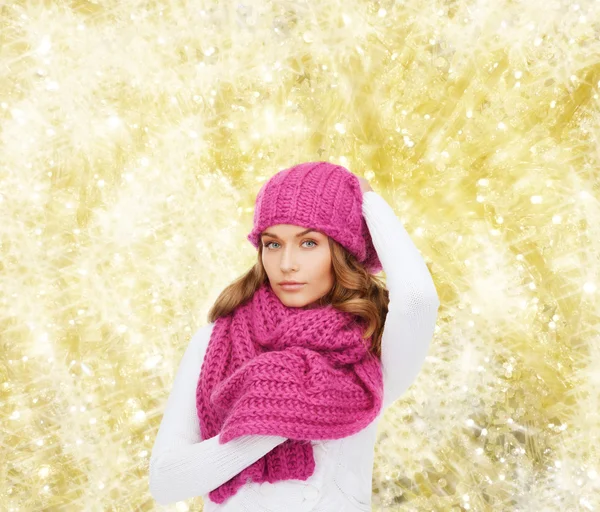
(290, 253)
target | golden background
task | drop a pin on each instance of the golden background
(134, 137)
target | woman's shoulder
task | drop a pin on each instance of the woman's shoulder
(202, 333)
(198, 343)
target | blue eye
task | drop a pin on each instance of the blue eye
(267, 245)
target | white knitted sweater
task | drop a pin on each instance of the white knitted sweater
(182, 465)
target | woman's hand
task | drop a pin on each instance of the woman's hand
(364, 184)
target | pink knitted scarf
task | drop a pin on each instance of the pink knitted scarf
(304, 374)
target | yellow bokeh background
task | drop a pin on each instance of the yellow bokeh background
(134, 137)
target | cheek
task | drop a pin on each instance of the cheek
(324, 264)
(269, 263)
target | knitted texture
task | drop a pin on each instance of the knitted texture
(320, 195)
(304, 374)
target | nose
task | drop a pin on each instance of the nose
(288, 261)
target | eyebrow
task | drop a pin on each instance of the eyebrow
(266, 233)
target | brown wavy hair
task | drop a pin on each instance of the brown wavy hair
(355, 291)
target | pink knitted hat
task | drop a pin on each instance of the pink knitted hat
(319, 195)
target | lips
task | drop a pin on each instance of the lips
(292, 287)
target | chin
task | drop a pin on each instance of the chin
(296, 302)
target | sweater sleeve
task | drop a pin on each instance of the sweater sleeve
(182, 465)
(413, 300)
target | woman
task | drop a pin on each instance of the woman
(276, 401)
